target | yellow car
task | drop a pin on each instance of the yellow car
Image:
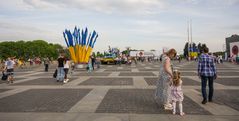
(108, 60)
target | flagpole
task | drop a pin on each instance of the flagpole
(188, 38)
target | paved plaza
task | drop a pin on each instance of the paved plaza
(115, 93)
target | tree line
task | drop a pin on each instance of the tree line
(198, 47)
(29, 49)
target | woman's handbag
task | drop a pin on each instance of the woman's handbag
(55, 74)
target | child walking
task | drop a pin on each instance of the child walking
(177, 93)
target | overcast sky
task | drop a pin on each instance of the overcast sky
(139, 24)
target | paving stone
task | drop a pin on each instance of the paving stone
(226, 97)
(140, 101)
(137, 74)
(188, 74)
(3, 90)
(49, 74)
(42, 100)
(186, 81)
(148, 69)
(42, 81)
(228, 81)
(151, 81)
(190, 82)
(20, 73)
(108, 81)
(228, 73)
(118, 70)
(93, 74)
(15, 79)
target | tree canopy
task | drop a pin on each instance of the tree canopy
(199, 47)
(29, 49)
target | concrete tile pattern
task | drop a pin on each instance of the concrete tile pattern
(108, 81)
(42, 100)
(186, 81)
(151, 81)
(141, 102)
(137, 74)
(228, 81)
(3, 90)
(42, 81)
(227, 97)
(15, 79)
(93, 74)
(124, 93)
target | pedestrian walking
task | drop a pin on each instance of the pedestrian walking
(89, 66)
(9, 67)
(207, 73)
(93, 62)
(98, 62)
(66, 69)
(72, 67)
(46, 63)
(163, 91)
(177, 93)
(60, 69)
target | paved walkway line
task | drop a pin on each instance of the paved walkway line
(213, 108)
(12, 92)
(109, 117)
(148, 68)
(134, 70)
(114, 74)
(76, 81)
(119, 67)
(90, 102)
(139, 82)
(33, 73)
(215, 84)
(100, 70)
(156, 73)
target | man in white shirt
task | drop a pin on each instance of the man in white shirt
(9, 66)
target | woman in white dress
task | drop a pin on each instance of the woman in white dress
(163, 91)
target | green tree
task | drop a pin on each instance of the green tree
(185, 50)
(29, 49)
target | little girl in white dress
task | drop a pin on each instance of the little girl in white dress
(177, 93)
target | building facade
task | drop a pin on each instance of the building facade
(232, 45)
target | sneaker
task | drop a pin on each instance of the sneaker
(210, 100)
(182, 114)
(65, 81)
(174, 113)
(204, 101)
(168, 107)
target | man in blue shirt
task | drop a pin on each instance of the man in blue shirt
(207, 72)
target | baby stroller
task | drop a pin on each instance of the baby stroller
(4, 76)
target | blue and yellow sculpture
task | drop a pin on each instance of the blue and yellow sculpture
(80, 44)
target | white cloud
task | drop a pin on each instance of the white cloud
(104, 6)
